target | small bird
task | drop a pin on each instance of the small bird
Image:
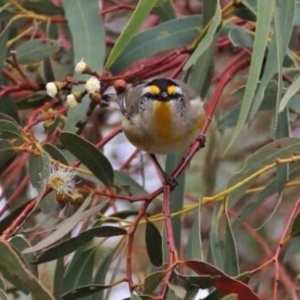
(162, 116)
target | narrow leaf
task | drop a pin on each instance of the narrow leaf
(70, 245)
(90, 156)
(231, 264)
(14, 270)
(264, 16)
(153, 244)
(67, 225)
(207, 40)
(142, 10)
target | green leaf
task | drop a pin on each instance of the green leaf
(20, 243)
(8, 105)
(66, 225)
(88, 41)
(239, 37)
(207, 40)
(153, 244)
(216, 247)
(193, 248)
(125, 183)
(102, 271)
(142, 10)
(264, 16)
(87, 31)
(291, 91)
(283, 17)
(164, 11)
(3, 295)
(33, 100)
(266, 155)
(55, 153)
(7, 155)
(166, 36)
(231, 263)
(15, 271)
(90, 156)
(272, 187)
(67, 246)
(84, 291)
(295, 232)
(80, 270)
(244, 11)
(9, 130)
(152, 281)
(177, 197)
(47, 7)
(36, 50)
(60, 269)
(39, 170)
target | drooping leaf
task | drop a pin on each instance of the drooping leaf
(153, 244)
(102, 271)
(20, 243)
(283, 17)
(207, 39)
(80, 270)
(177, 198)
(193, 248)
(264, 16)
(15, 271)
(140, 13)
(67, 246)
(152, 281)
(231, 263)
(7, 155)
(88, 41)
(66, 226)
(90, 156)
(266, 155)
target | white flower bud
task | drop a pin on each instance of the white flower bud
(52, 89)
(93, 85)
(71, 100)
(80, 67)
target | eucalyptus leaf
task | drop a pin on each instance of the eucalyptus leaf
(36, 50)
(140, 13)
(90, 156)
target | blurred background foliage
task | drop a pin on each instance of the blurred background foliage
(235, 214)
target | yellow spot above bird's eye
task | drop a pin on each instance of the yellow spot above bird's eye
(154, 89)
(171, 89)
